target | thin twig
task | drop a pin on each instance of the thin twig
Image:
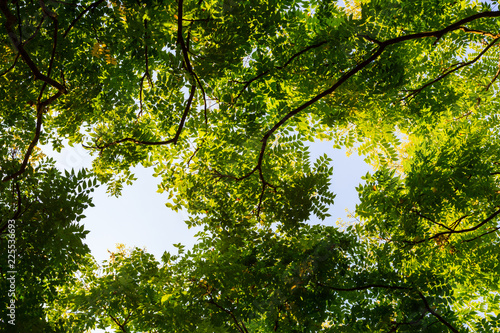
(486, 233)
(368, 286)
(154, 143)
(85, 11)
(429, 219)
(479, 32)
(488, 219)
(445, 74)
(11, 67)
(435, 314)
(247, 83)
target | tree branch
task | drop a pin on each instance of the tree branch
(39, 120)
(10, 21)
(85, 11)
(54, 46)
(30, 38)
(429, 219)
(146, 74)
(494, 78)
(435, 314)
(486, 233)
(479, 32)
(368, 286)
(155, 143)
(11, 66)
(247, 83)
(488, 219)
(445, 74)
(121, 326)
(180, 38)
(236, 322)
(381, 47)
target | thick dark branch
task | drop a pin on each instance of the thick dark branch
(155, 143)
(185, 54)
(261, 197)
(85, 11)
(459, 24)
(180, 38)
(445, 74)
(435, 314)
(146, 37)
(41, 106)
(343, 79)
(11, 20)
(19, 202)
(141, 85)
(39, 120)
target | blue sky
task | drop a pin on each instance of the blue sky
(140, 218)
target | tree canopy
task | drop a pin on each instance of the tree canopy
(222, 98)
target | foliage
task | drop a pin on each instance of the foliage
(220, 97)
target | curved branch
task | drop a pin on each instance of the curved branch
(486, 233)
(247, 83)
(85, 11)
(479, 32)
(381, 48)
(11, 20)
(488, 219)
(180, 38)
(435, 314)
(39, 120)
(54, 46)
(494, 78)
(155, 143)
(429, 219)
(230, 313)
(445, 74)
(37, 29)
(11, 67)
